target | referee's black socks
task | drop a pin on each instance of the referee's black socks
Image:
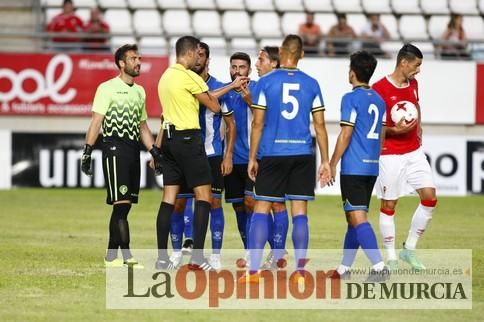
(200, 225)
(163, 222)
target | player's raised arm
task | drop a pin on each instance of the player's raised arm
(239, 82)
(210, 101)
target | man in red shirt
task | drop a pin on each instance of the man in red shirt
(96, 25)
(403, 163)
(66, 21)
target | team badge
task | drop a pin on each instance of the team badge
(123, 189)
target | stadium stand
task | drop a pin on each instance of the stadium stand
(406, 6)
(372, 6)
(348, 6)
(142, 4)
(430, 7)
(230, 5)
(463, 7)
(318, 5)
(243, 23)
(207, 23)
(147, 22)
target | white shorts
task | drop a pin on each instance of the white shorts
(401, 174)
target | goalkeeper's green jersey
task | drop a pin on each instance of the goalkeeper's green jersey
(123, 107)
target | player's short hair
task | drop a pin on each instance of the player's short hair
(241, 56)
(120, 53)
(408, 52)
(273, 53)
(67, 1)
(185, 44)
(293, 45)
(205, 47)
(363, 64)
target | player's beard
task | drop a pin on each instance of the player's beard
(234, 76)
(133, 72)
(199, 68)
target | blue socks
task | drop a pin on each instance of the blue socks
(270, 228)
(257, 239)
(217, 224)
(188, 219)
(176, 231)
(300, 239)
(367, 239)
(279, 233)
(241, 226)
(247, 228)
(350, 246)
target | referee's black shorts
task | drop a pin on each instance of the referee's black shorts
(217, 184)
(184, 159)
(283, 178)
(121, 168)
(356, 191)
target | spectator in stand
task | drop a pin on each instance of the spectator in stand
(373, 34)
(311, 34)
(96, 25)
(66, 21)
(341, 30)
(454, 43)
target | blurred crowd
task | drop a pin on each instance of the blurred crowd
(342, 39)
(94, 31)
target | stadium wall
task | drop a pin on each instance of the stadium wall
(41, 146)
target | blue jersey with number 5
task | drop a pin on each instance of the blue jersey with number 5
(364, 110)
(288, 96)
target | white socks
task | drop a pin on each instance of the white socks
(420, 220)
(387, 231)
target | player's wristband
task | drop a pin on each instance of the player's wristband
(155, 152)
(87, 149)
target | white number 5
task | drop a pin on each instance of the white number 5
(288, 98)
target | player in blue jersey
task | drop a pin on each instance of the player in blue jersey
(210, 124)
(238, 186)
(283, 102)
(358, 146)
(267, 61)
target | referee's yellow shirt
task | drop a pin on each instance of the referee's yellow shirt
(176, 88)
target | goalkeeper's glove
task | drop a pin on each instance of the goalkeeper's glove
(86, 160)
(158, 158)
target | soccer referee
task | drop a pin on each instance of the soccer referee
(181, 92)
(119, 107)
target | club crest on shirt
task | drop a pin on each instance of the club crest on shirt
(123, 189)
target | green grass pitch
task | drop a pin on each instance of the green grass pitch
(52, 242)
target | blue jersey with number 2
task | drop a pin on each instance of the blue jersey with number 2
(364, 110)
(288, 96)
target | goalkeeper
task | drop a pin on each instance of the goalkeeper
(119, 107)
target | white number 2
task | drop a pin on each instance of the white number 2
(372, 109)
(288, 98)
